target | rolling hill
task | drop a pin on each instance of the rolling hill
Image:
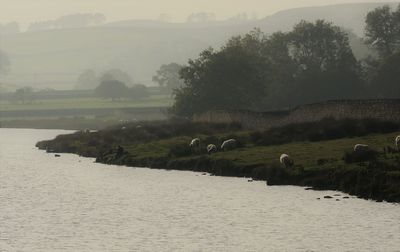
(55, 58)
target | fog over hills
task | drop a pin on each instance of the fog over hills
(54, 58)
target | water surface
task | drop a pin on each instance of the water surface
(73, 204)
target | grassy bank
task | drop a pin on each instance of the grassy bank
(318, 149)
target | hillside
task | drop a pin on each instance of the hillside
(350, 16)
(55, 58)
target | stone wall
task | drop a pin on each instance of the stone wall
(388, 110)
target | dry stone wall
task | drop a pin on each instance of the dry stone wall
(388, 110)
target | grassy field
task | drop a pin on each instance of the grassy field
(305, 154)
(87, 103)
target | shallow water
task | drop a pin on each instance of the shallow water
(73, 204)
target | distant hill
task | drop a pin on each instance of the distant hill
(54, 58)
(351, 16)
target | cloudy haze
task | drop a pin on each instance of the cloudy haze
(26, 11)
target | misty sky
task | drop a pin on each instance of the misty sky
(26, 11)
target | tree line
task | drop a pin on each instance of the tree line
(113, 84)
(311, 63)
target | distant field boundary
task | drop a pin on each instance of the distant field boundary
(383, 109)
(83, 112)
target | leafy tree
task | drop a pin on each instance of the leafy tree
(168, 76)
(112, 89)
(230, 78)
(281, 71)
(386, 81)
(383, 30)
(87, 80)
(117, 74)
(326, 66)
(383, 33)
(24, 95)
(69, 21)
(201, 17)
(311, 63)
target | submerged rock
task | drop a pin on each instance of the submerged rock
(57, 155)
(328, 197)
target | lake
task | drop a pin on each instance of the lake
(71, 203)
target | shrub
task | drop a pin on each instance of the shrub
(180, 150)
(359, 156)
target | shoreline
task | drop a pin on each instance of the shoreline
(377, 179)
(335, 179)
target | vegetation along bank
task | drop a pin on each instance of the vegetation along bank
(322, 152)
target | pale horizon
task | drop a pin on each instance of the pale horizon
(26, 11)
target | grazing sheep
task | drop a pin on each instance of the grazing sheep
(228, 145)
(361, 148)
(398, 142)
(211, 148)
(195, 143)
(286, 160)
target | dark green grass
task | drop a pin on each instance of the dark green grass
(307, 154)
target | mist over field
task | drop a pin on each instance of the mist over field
(52, 53)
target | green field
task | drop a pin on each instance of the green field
(87, 103)
(305, 154)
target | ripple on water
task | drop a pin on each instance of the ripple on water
(72, 204)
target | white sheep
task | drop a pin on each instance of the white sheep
(361, 148)
(229, 144)
(195, 143)
(286, 160)
(211, 148)
(398, 142)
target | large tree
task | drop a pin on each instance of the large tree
(24, 95)
(325, 65)
(311, 63)
(231, 78)
(168, 76)
(386, 82)
(117, 74)
(112, 89)
(87, 80)
(382, 30)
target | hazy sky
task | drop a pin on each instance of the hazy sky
(25, 11)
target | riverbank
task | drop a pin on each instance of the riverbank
(318, 149)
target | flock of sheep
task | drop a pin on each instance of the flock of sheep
(211, 148)
(365, 148)
(284, 159)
